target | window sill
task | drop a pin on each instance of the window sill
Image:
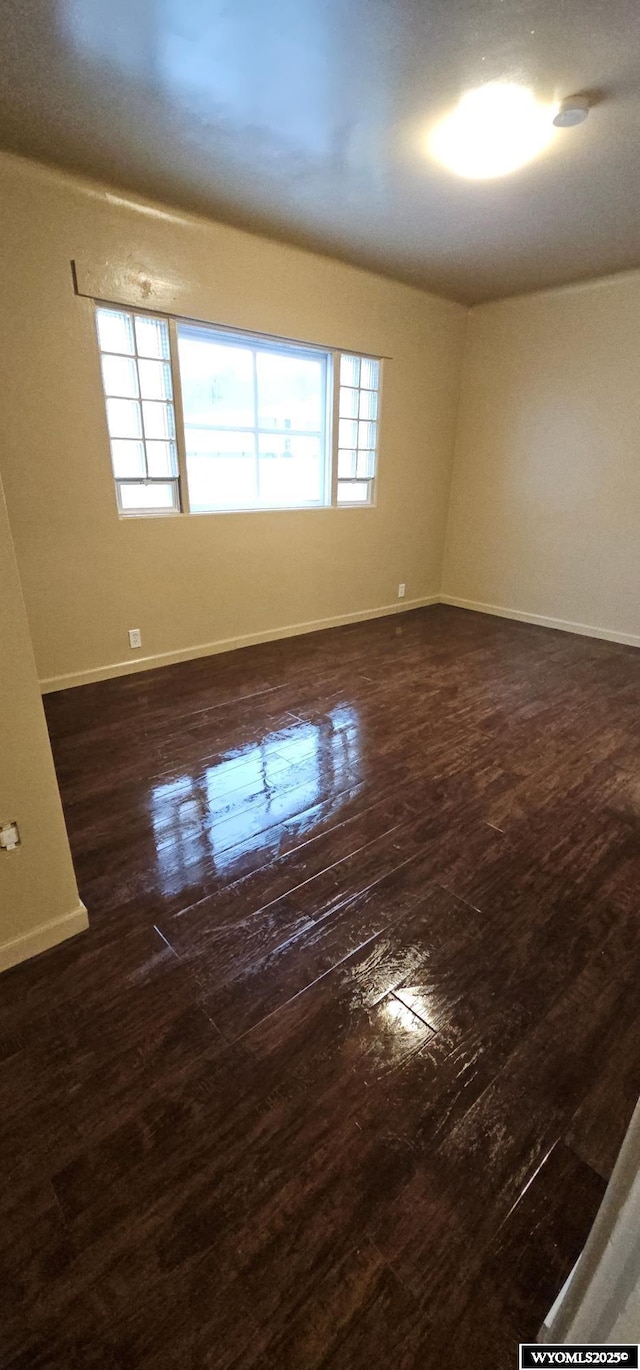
(225, 513)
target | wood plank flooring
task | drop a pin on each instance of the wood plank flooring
(340, 1070)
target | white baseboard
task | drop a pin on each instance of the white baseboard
(229, 644)
(148, 663)
(561, 624)
(43, 937)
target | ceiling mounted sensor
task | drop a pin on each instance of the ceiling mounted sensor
(573, 110)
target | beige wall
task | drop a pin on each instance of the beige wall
(87, 575)
(39, 903)
(546, 489)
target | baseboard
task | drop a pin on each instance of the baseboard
(148, 663)
(563, 625)
(229, 644)
(42, 938)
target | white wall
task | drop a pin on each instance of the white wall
(544, 518)
(39, 902)
(193, 582)
(601, 1301)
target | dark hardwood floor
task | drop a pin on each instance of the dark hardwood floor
(339, 1072)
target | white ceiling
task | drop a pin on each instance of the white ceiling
(307, 120)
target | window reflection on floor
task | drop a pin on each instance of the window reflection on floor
(254, 795)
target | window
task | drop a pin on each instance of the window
(357, 428)
(138, 388)
(255, 415)
(205, 420)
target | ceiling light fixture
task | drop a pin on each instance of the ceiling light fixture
(573, 110)
(493, 130)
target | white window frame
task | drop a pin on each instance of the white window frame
(329, 435)
(370, 479)
(136, 357)
(259, 343)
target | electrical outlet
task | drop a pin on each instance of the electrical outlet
(135, 637)
(9, 836)
(401, 589)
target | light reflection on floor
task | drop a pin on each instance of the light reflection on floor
(236, 803)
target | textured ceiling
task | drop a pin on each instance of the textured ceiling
(307, 120)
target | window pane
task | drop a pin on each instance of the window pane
(254, 421)
(147, 497)
(346, 463)
(222, 469)
(348, 403)
(155, 380)
(152, 337)
(217, 382)
(158, 420)
(215, 442)
(123, 418)
(358, 401)
(290, 391)
(142, 431)
(369, 373)
(347, 433)
(353, 492)
(349, 370)
(368, 404)
(119, 376)
(115, 331)
(366, 435)
(128, 458)
(366, 464)
(162, 459)
(290, 472)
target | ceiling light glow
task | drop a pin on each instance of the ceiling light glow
(493, 130)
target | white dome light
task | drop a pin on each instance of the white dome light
(493, 130)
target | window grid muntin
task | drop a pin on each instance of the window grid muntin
(146, 441)
(256, 344)
(358, 418)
